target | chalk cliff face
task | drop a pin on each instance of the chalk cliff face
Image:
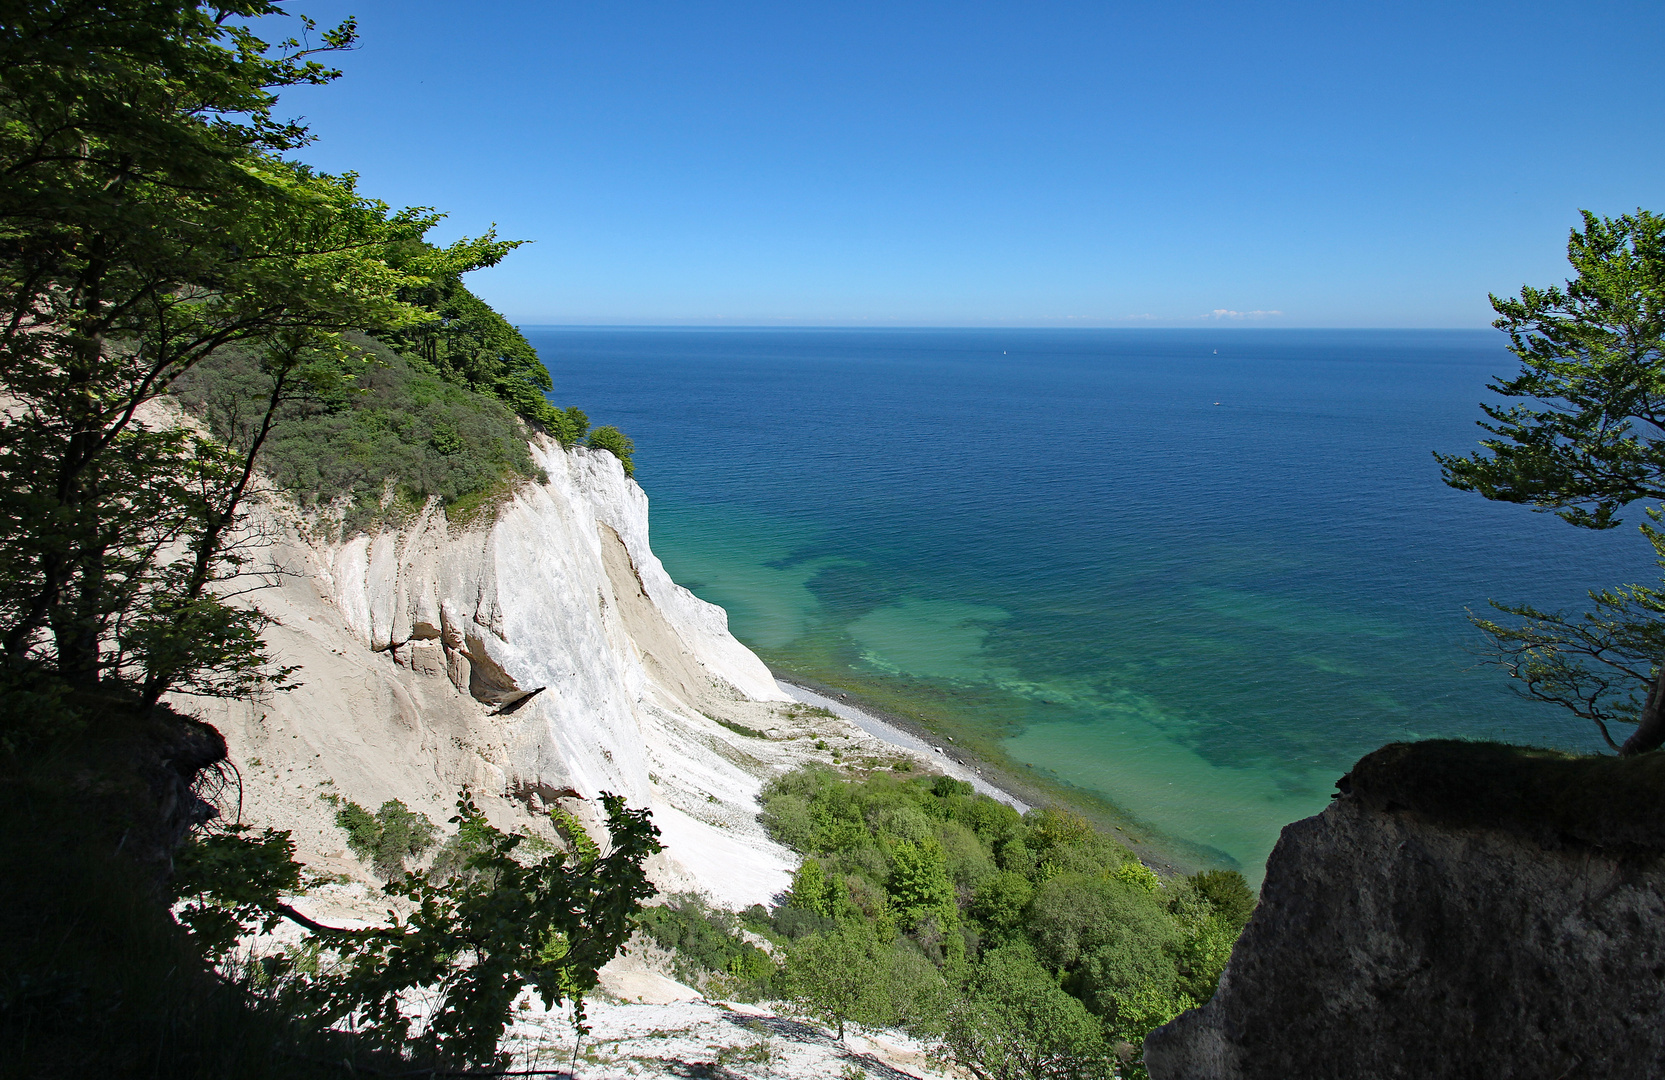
(543, 657)
(561, 596)
(1411, 930)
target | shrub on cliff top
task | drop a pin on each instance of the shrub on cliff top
(615, 442)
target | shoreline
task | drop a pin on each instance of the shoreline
(1023, 794)
(892, 729)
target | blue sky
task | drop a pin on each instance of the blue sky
(1057, 164)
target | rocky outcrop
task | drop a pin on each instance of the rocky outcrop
(1460, 910)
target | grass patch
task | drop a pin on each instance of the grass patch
(741, 729)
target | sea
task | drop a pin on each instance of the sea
(1190, 576)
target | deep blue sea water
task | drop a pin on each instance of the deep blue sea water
(1197, 573)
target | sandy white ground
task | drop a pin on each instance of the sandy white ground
(700, 1038)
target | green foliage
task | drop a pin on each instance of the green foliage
(475, 937)
(1111, 941)
(235, 879)
(919, 885)
(1001, 905)
(456, 858)
(841, 976)
(571, 426)
(811, 891)
(381, 420)
(1085, 948)
(1598, 665)
(394, 834)
(1592, 359)
(742, 729)
(1583, 438)
(471, 345)
(572, 831)
(705, 941)
(1227, 893)
(1138, 876)
(154, 221)
(615, 442)
(1014, 1023)
(150, 221)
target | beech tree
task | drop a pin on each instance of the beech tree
(837, 977)
(1585, 438)
(148, 219)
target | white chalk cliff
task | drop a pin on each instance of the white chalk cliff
(543, 657)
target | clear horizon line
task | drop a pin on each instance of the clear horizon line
(1212, 326)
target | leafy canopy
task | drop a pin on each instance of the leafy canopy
(1062, 949)
(477, 934)
(1583, 439)
(1587, 436)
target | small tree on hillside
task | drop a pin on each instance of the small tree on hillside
(1585, 438)
(838, 977)
(1014, 1023)
(475, 936)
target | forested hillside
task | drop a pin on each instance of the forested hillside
(1005, 940)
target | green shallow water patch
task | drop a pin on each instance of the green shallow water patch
(745, 563)
(1235, 813)
(978, 719)
(929, 639)
(1147, 735)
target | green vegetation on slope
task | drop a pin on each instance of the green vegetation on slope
(429, 409)
(996, 936)
(387, 427)
(469, 344)
(706, 939)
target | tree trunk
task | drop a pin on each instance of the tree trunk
(1650, 729)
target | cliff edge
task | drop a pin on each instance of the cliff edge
(1459, 910)
(539, 657)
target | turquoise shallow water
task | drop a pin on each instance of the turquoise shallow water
(1195, 573)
